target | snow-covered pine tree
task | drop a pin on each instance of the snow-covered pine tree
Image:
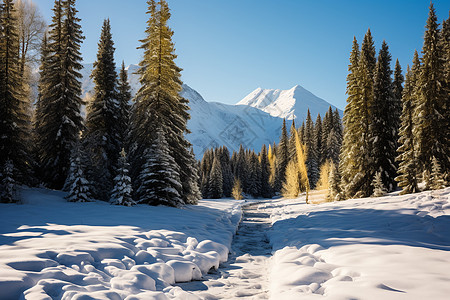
(215, 179)
(318, 140)
(266, 190)
(60, 91)
(311, 153)
(407, 178)
(398, 87)
(8, 185)
(357, 165)
(14, 108)
(205, 170)
(383, 127)
(123, 97)
(445, 40)
(227, 174)
(158, 104)
(431, 130)
(282, 159)
(327, 126)
(348, 167)
(122, 191)
(379, 189)
(437, 178)
(159, 178)
(334, 182)
(102, 139)
(77, 185)
(338, 132)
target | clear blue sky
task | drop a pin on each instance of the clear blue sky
(229, 48)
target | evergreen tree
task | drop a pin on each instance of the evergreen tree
(159, 178)
(121, 193)
(227, 174)
(215, 179)
(334, 182)
(158, 104)
(102, 122)
(282, 159)
(398, 86)
(437, 178)
(384, 126)
(8, 186)
(327, 126)
(123, 97)
(357, 165)
(431, 130)
(348, 168)
(266, 190)
(76, 182)
(60, 91)
(311, 153)
(407, 178)
(14, 107)
(378, 186)
(205, 170)
(255, 175)
(318, 140)
(445, 39)
(291, 143)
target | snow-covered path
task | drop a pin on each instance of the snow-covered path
(245, 274)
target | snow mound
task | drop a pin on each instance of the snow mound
(50, 248)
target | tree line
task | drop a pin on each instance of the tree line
(289, 167)
(121, 153)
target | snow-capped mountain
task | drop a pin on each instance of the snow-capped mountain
(289, 104)
(213, 124)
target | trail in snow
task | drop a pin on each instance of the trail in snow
(245, 274)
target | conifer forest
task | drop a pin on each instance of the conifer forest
(122, 182)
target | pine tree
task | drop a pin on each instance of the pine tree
(159, 178)
(357, 165)
(431, 130)
(318, 140)
(102, 122)
(255, 175)
(14, 107)
(123, 97)
(327, 126)
(398, 87)
(158, 104)
(205, 170)
(8, 186)
(384, 126)
(121, 193)
(227, 174)
(437, 178)
(291, 143)
(407, 178)
(378, 186)
(334, 182)
(282, 159)
(76, 182)
(311, 153)
(266, 190)
(216, 180)
(445, 40)
(60, 91)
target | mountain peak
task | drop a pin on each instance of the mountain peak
(290, 104)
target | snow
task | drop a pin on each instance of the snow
(290, 104)
(392, 247)
(52, 248)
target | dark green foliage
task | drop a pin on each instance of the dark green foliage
(124, 98)
(215, 179)
(311, 153)
(102, 139)
(383, 126)
(265, 190)
(122, 191)
(159, 178)
(431, 107)
(78, 186)
(14, 107)
(291, 144)
(8, 186)
(318, 140)
(407, 178)
(60, 91)
(282, 154)
(254, 178)
(227, 174)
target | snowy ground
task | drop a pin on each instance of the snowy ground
(393, 247)
(51, 249)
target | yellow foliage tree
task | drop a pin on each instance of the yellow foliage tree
(272, 158)
(301, 162)
(291, 185)
(236, 192)
(322, 184)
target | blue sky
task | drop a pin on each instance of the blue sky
(229, 48)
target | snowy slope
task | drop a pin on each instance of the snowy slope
(289, 104)
(392, 247)
(214, 124)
